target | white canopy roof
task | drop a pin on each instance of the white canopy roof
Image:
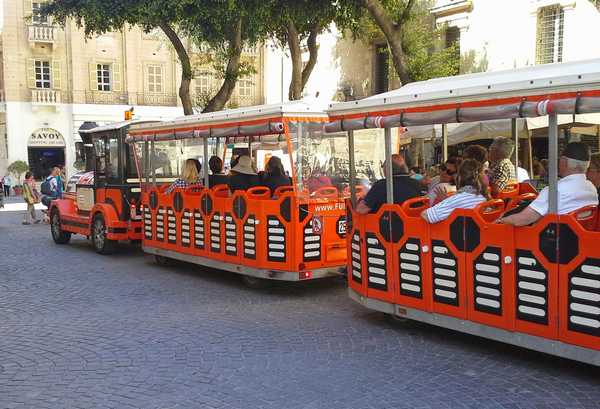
(116, 125)
(540, 79)
(292, 108)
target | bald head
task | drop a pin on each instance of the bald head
(398, 164)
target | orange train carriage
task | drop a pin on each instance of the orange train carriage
(295, 234)
(102, 202)
(536, 286)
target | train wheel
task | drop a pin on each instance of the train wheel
(395, 319)
(58, 234)
(255, 282)
(162, 260)
(101, 243)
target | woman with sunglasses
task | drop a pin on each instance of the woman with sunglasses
(443, 185)
(471, 192)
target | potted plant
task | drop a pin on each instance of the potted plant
(17, 168)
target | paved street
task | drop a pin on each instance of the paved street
(79, 330)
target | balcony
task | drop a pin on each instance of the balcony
(44, 34)
(165, 100)
(45, 97)
(106, 98)
(445, 8)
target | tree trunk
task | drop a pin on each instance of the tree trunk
(232, 71)
(293, 37)
(313, 50)
(393, 34)
(186, 68)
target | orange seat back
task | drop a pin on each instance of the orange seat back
(282, 189)
(259, 192)
(490, 210)
(586, 216)
(415, 206)
(517, 200)
(326, 192)
(221, 190)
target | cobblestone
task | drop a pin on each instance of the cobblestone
(79, 330)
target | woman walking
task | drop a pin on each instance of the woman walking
(31, 197)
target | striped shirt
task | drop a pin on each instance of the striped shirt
(466, 198)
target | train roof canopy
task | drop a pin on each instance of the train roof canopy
(246, 121)
(115, 126)
(565, 88)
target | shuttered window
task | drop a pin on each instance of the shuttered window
(382, 69)
(204, 83)
(245, 88)
(36, 15)
(42, 74)
(103, 77)
(155, 78)
(550, 30)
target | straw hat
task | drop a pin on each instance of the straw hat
(244, 166)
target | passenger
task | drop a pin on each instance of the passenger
(404, 188)
(593, 172)
(189, 178)
(479, 153)
(243, 176)
(274, 175)
(522, 174)
(574, 190)
(502, 170)
(416, 173)
(441, 186)
(317, 179)
(217, 177)
(471, 192)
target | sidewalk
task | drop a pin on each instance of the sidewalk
(16, 204)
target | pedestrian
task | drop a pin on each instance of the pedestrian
(7, 182)
(31, 197)
(52, 187)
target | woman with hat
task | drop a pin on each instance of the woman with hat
(243, 176)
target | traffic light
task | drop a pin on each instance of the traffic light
(129, 114)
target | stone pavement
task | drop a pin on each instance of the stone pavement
(80, 330)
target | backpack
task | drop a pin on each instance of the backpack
(46, 187)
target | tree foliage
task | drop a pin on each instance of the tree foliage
(297, 24)
(224, 24)
(416, 45)
(17, 168)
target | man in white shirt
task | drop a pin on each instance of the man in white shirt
(574, 190)
(522, 174)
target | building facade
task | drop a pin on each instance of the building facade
(53, 79)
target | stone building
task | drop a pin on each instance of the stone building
(53, 79)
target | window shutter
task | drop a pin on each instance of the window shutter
(93, 77)
(56, 75)
(27, 10)
(116, 77)
(30, 73)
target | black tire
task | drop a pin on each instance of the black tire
(102, 245)
(394, 319)
(162, 260)
(58, 234)
(255, 283)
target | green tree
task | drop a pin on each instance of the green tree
(297, 23)
(226, 24)
(417, 48)
(17, 168)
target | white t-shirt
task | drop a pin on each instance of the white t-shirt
(461, 200)
(522, 175)
(574, 192)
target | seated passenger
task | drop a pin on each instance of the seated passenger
(243, 176)
(444, 184)
(404, 188)
(274, 175)
(479, 153)
(574, 190)
(502, 170)
(190, 177)
(593, 172)
(471, 191)
(217, 177)
(317, 179)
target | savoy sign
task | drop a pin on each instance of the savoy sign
(46, 137)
